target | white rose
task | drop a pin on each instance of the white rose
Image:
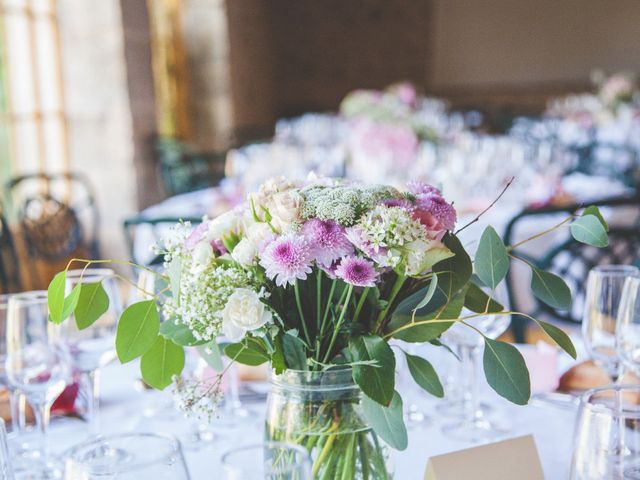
(202, 253)
(243, 312)
(286, 207)
(223, 225)
(245, 252)
(257, 232)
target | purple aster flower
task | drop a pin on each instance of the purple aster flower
(357, 271)
(327, 239)
(286, 259)
(419, 188)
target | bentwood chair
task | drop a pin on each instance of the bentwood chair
(572, 260)
(10, 281)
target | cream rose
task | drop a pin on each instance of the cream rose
(243, 312)
(223, 225)
(285, 207)
(245, 252)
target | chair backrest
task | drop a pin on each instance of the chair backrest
(183, 171)
(57, 214)
(141, 233)
(10, 281)
(572, 260)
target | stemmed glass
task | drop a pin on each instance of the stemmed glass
(604, 293)
(280, 461)
(608, 417)
(6, 472)
(37, 364)
(474, 426)
(94, 347)
(131, 456)
(628, 325)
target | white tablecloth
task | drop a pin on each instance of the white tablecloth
(123, 404)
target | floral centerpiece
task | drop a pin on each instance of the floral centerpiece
(319, 278)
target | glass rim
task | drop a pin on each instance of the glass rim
(335, 379)
(174, 449)
(33, 297)
(78, 273)
(616, 269)
(585, 397)
(251, 446)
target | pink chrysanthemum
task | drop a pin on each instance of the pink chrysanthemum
(286, 259)
(357, 271)
(398, 202)
(438, 207)
(327, 239)
(419, 188)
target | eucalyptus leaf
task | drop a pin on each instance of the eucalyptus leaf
(93, 302)
(138, 328)
(429, 293)
(161, 363)
(377, 382)
(55, 297)
(478, 301)
(506, 371)
(387, 422)
(589, 229)
(294, 353)
(277, 358)
(179, 333)
(211, 354)
(550, 288)
(71, 301)
(559, 336)
(595, 211)
(425, 375)
(248, 352)
(491, 260)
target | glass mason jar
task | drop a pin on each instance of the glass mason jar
(321, 411)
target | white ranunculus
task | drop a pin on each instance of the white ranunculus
(244, 311)
(257, 232)
(424, 254)
(286, 207)
(223, 225)
(202, 253)
(245, 252)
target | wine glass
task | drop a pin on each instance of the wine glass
(280, 461)
(6, 472)
(473, 425)
(131, 456)
(628, 325)
(93, 347)
(602, 302)
(608, 417)
(37, 364)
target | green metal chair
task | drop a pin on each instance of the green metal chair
(572, 260)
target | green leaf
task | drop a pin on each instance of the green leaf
(387, 422)
(453, 273)
(161, 363)
(595, 211)
(137, 331)
(588, 229)
(559, 336)
(424, 375)
(294, 354)
(277, 358)
(71, 301)
(492, 260)
(551, 289)
(211, 354)
(93, 302)
(376, 381)
(179, 333)
(174, 270)
(55, 297)
(478, 301)
(248, 352)
(431, 290)
(506, 371)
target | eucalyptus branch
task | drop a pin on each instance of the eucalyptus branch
(541, 234)
(488, 208)
(117, 262)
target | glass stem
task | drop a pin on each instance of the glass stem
(234, 392)
(41, 412)
(18, 404)
(91, 386)
(470, 386)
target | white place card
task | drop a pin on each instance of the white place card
(506, 460)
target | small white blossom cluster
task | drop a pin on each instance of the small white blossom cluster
(391, 227)
(198, 398)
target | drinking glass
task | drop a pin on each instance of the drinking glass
(6, 472)
(94, 347)
(608, 417)
(270, 461)
(131, 456)
(473, 425)
(37, 364)
(628, 325)
(602, 302)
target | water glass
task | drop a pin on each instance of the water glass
(269, 461)
(131, 456)
(37, 364)
(6, 472)
(608, 417)
(602, 302)
(94, 347)
(628, 325)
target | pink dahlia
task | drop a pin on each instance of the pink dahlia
(327, 239)
(286, 259)
(357, 271)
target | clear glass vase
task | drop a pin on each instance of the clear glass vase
(321, 412)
